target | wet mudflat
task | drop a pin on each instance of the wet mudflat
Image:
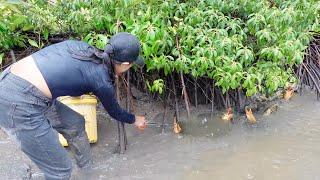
(284, 145)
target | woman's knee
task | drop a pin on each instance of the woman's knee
(81, 123)
(72, 123)
(44, 149)
(63, 171)
(75, 130)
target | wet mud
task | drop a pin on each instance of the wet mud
(283, 145)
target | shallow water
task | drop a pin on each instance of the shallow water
(284, 145)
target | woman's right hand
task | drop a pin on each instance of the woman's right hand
(141, 122)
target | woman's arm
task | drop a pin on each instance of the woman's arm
(106, 95)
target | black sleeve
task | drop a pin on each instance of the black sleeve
(106, 95)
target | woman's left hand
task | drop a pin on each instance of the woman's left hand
(141, 122)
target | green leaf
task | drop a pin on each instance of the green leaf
(27, 27)
(88, 37)
(1, 57)
(18, 20)
(46, 34)
(33, 43)
(101, 41)
(158, 86)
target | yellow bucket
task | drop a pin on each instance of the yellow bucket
(86, 106)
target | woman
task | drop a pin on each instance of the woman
(30, 112)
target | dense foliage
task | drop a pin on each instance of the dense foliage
(254, 45)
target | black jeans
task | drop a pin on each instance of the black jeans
(31, 118)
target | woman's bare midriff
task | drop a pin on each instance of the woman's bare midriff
(27, 69)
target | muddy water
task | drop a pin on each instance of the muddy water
(284, 145)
